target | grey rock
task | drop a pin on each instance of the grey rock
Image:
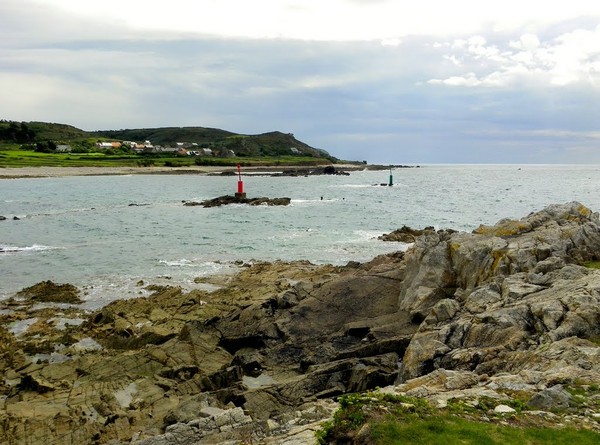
(550, 399)
(504, 409)
(481, 299)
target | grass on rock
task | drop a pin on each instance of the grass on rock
(386, 419)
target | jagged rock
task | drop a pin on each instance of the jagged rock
(443, 310)
(489, 271)
(429, 276)
(218, 425)
(406, 234)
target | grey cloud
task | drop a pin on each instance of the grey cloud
(356, 100)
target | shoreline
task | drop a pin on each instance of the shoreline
(57, 172)
(278, 346)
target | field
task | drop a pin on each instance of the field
(21, 158)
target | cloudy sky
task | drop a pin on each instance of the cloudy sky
(386, 81)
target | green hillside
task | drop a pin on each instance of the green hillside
(273, 144)
(267, 144)
(167, 135)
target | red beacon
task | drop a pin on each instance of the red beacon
(240, 190)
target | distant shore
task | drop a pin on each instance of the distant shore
(55, 172)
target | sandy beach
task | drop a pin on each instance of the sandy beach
(54, 172)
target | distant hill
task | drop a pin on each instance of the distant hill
(28, 132)
(267, 144)
(167, 135)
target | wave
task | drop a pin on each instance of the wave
(356, 186)
(307, 201)
(365, 235)
(351, 186)
(177, 263)
(373, 236)
(34, 248)
(200, 266)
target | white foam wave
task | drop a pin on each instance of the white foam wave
(303, 201)
(34, 248)
(354, 186)
(365, 235)
(360, 186)
(177, 263)
(371, 235)
(200, 266)
(104, 290)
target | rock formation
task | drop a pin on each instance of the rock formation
(406, 234)
(262, 358)
(494, 300)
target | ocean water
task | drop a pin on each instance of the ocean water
(106, 233)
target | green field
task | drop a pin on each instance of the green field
(22, 158)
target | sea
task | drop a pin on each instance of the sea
(109, 234)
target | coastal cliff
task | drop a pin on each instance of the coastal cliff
(261, 359)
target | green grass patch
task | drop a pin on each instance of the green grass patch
(384, 419)
(447, 430)
(23, 158)
(592, 264)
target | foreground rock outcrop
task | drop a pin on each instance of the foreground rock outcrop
(492, 300)
(510, 307)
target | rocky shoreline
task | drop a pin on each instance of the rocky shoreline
(511, 310)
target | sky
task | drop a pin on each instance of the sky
(384, 81)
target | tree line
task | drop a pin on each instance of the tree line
(15, 132)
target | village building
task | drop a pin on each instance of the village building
(108, 145)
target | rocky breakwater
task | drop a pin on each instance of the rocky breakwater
(229, 199)
(261, 359)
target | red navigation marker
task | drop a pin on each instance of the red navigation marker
(240, 190)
